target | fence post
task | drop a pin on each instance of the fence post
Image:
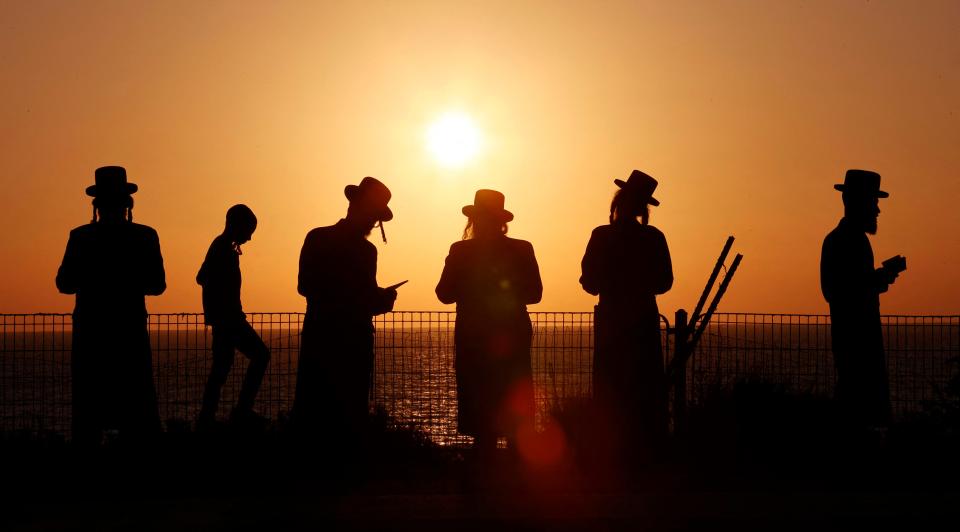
(681, 335)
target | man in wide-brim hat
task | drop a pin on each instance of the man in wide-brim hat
(111, 264)
(852, 285)
(627, 265)
(492, 278)
(338, 277)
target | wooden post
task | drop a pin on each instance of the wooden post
(695, 317)
(687, 331)
(681, 335)
(727, 277)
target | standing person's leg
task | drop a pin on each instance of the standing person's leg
(875, 407)
(851, 389)
(607, 403)
(306, 376)
(85, 427)
(250, 344)
(223, 352)
(880, 411)
(617, 388)
(492, 406)
(519, 415)
(320, 348)
(145, 422)
(485, 442)
(652, 419)
(357, 396)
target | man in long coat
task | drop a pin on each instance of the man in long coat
(338, 276)
(492, 278)
(111, 264)
(852, 285)
(627, 264)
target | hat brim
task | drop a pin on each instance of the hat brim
(875, 193)
(383, 213)
(471, 211)
(650, 199)
(128, 188)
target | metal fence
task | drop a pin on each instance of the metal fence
(414, 374)
(794, 350)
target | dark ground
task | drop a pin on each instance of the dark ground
(755, 460)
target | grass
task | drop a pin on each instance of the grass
(745, 453)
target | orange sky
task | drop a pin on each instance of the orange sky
(747, 113)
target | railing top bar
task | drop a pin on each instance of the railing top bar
(37, 314)
(538, 312)
(790, 315)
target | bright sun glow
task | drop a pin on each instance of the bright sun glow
(453, 139)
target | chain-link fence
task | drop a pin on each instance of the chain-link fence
(414, 371)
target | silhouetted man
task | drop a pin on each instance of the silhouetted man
(492, 278)
(220, 277)
(627, 263)
(111, 264)
(338, 276)
(852, 286)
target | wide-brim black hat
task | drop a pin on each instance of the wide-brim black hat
(862, 182)
(488, 203)
(111, 181)
(640, 184)
(373, 193)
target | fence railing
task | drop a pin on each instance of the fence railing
(414, 371)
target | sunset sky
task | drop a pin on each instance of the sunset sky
(747, 112)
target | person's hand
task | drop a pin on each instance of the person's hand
(889, 276)
(391, 296)
(892, 268)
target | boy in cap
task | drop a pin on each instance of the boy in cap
(220, 278)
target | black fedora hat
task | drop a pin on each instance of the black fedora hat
(488, 203)
(640, 184)
(862, 182)
(374, 193)
(111, 181)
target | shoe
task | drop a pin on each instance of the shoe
(248, 419)
(206, 424)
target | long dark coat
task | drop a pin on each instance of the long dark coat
(852, 287)
(111, 267)
(492, 282)
(628, 265)
(338, 276)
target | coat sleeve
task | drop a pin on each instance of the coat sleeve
(203, 275)
(663, 273)
(532, 284)
(307, 274)
(841, 278)
(377, 300)
(592, 266)
(154, 280)
(448, 289)
(847, 275)
(881, 280)
(68, 276)
(828, 270)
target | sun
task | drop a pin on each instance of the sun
(453, 139)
